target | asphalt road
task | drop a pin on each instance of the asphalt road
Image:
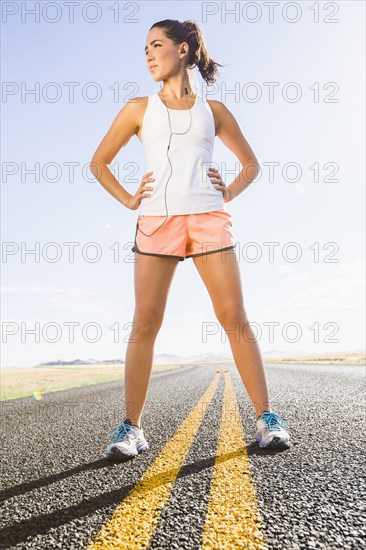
(204, 482)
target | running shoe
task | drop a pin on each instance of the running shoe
(271, 431)
(127, 441)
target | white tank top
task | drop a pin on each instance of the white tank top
(189, 189)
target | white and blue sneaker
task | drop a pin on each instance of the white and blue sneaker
(128, 441)
(271, 431)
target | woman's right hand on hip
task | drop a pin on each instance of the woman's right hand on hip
(142, 192)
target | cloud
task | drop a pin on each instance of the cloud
(80, 300)
(341, 291)
(26, 288)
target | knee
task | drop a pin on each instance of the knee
(147, 321)
(230, 314)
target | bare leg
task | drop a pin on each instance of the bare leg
(153, 276)
(221, 276)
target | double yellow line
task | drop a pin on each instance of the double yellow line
(233, 519)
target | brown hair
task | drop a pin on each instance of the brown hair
(188, 31)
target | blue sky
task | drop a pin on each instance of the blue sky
(50, 198)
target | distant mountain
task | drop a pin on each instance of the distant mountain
(162, 358)
(282, 353)
(168, 358)
(81, 362)
(171, 358)
(211, 357)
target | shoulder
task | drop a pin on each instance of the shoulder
(136, 104)
(134, 109)
(220, 112)
(218, 107)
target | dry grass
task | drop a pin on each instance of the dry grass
(35, 381)
(23, 381)
(346, 358)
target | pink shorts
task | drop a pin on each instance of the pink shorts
(183, 236)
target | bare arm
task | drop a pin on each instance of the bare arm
(124, 126)
(229, 132)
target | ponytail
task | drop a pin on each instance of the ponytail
(199, 56)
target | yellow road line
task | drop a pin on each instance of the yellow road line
(233, 519)
(135, 519)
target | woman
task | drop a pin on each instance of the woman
(183, 216)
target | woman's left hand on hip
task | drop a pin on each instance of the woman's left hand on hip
(217, 182)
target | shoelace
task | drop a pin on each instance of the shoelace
(273, 420)
(120, 431)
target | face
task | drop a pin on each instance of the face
(162, 55)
